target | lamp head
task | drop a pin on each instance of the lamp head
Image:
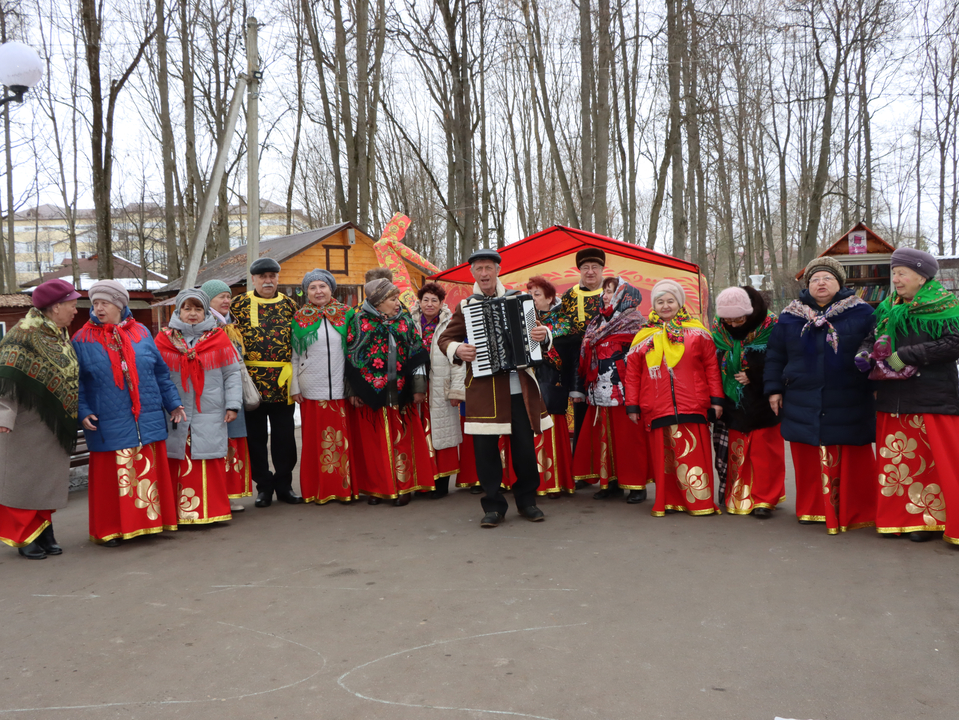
(20, 67)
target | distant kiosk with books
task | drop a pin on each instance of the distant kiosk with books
(866, 258)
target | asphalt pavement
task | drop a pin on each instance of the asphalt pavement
(415, 613)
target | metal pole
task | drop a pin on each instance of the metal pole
(206, 214)
(253, 148)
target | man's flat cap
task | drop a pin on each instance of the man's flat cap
(264, 265)
(484, 254)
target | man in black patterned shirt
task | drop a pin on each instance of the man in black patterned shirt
(264, 318)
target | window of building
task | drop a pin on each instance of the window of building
(337, 260)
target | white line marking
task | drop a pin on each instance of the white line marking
(445, 642)
(189, 702)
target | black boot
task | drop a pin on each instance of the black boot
(33, 551)
(441, 488)
(637, 496)
(48, 542)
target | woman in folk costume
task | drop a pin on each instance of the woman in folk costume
(386, 375)
(38, 420)
(440, 413)
(206, 370)
(755, 467)
(552, 445)
(239, 477)
(825, 405)
(319, 332)
(672, 383)
(125, 387)
(913, 356)
(607, 449)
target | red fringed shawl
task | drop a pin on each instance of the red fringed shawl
(212, 350)
(118, 341)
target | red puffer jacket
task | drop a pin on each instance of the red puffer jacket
(678, 396)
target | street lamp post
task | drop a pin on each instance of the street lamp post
(20, 69)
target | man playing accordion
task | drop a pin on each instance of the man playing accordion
(504, 403)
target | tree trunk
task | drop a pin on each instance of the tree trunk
(586, 115)
(168, 160)
(676, 49)
(602, 122)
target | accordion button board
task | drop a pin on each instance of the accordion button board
(500, 330)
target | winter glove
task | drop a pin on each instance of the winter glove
(862, 361)
(896, 363)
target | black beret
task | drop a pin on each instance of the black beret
(264, 265)
(484, 254)
(590, 254)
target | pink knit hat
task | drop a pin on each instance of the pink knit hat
(733, 303)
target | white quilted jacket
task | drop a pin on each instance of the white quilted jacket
(446, 384)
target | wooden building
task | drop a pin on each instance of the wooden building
(865, 257)
(345, 250)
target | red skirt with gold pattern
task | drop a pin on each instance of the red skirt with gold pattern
(606, 450)
(201, 489)
(447, 460)
(682, 469)
(325, 465)
(130, 493)
(394, 459)
(555, 459)
(833, 486)
(239, 478)
(756, 470)
(917, 472)
(20, 527)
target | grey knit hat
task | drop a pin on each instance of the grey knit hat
(322, 275)
(212, 288)
(111, 291)
(825, 263)
(379, 290)
(922, 263)
(197, 295)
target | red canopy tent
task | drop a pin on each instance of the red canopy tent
(552, 253)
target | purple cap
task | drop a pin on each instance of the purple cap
(52, 292)
(922, 263)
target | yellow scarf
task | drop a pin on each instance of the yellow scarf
(662, 345)
(256, 302)
(580, 294)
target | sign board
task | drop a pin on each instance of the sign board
(857, 243)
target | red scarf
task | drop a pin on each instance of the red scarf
(212, 350)
(118, 341)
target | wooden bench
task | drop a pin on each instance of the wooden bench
(81, 455)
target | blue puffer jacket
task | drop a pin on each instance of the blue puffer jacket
(100, 396)
(826, 400)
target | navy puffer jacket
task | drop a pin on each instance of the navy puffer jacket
(826, 400)
(100, 396)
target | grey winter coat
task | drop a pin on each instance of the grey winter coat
(222, 391)
(34, 467)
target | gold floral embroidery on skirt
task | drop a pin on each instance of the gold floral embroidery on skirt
(334, 456)
(148, 497)
(126, 473)
(695, 482)
(927, 499)
(189, 502)
(898, 447)
(739, 490)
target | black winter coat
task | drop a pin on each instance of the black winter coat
(826, 400)
(934, 388)
(754, 411)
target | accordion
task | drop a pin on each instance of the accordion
(500, 328)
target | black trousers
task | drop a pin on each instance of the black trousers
(523, 452)
(283, 447)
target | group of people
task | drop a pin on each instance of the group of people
(391, 409)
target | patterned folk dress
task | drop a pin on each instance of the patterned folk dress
(386, 366)
(319, 336)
